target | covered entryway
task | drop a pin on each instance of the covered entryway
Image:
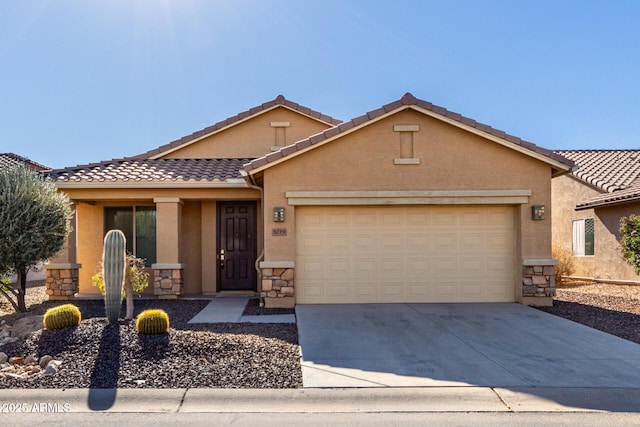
(432, 253)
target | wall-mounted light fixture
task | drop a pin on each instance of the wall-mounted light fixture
(537, 212)
(278, 214)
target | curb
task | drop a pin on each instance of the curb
(318, 400)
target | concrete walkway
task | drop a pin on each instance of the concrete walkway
(228, 309)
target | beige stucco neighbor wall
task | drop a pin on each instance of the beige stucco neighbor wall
(607, 263)
(253, 138)
(450, 159)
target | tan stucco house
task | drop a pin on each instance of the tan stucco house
(406, 203)
(587, 206)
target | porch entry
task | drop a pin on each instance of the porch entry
(236, 255)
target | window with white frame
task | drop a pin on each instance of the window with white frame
(583, 237)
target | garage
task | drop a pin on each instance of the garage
(388, 254)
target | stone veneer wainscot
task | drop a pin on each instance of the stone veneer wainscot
(168, 280)
(62, 280)
(278, 288)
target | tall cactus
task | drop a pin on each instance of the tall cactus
(113, 267)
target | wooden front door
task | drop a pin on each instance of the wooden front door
(236, 246)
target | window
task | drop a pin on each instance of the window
(138, 223)
(583, 240)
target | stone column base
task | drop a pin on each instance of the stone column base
(62, 280)
(278, 288)
(538, 281)
(167, 280)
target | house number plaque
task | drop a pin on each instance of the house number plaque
(278, 231)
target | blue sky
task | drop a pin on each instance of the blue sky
(84, 81)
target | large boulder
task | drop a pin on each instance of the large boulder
(26, 325)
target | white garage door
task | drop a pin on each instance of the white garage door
(370, 254)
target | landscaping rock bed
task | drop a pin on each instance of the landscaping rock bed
(614, 309)
(98, 355)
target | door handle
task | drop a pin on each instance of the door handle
(221, 258)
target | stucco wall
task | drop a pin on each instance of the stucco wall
(253, 138)
(450, 159)
(607, 261)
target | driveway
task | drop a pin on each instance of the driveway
(493, 345)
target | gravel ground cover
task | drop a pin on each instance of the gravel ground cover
(98, 355)
(614, 309)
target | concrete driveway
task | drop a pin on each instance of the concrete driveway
(493, 345)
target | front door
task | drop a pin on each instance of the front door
(236, 246)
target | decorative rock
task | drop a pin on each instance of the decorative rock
(52, 368)
(16, 360)
(44, 361)
(3, 358)
(26, 325)
(31, 359)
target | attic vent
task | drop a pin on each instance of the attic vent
(406, 144)
(281, 134)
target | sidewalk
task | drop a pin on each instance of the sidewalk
(229, 309)
(355, 400)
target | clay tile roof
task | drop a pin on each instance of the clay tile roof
(149, 170)
(10, 159)
(279, 100)
(627, 195)
(408, 100)
(608, 170)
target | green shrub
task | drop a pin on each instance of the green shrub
(630, 241)
(134, 274)
(62, 316)
(153, 321)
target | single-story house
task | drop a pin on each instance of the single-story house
(407, 203)
(587, 206)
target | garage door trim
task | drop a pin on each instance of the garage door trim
(446, 197)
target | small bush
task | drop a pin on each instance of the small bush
(154, 321)
(134, 275)
(63, 316)
(565, 265)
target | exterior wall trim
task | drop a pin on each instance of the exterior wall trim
(61, 265)
(466, 197)
(277, 264)
(168, 266)
(542, 261)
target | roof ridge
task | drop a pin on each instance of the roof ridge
(278, 100)
(404, 102)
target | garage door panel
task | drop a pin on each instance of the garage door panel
(404, 254)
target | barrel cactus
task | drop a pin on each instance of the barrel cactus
(153, 321)
(62, 316)
(113, 270)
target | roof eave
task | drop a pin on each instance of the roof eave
(121, 184)
(607, 204)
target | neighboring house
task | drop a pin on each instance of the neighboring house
(587, 207)
(407, 203)
(11, 160)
